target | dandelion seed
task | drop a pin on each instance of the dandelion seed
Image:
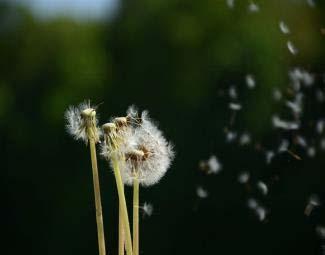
(277, 95)
(301, 141)
(253, 7)
(230, 3)
(284, 27)
(313, 202)
(320, 230)
(262, 187)
(292, 48)
(201, 192)
(235, 107)
(311, 152)
(147, 209)
(261, 213)
(311, 3)
(231, 136)
(245, 139)
(243, 177)
(287, 125)
(250, 81)
(269, 156)
(294, 106)
(214, 165)
(298, 76)
(284, 145)
(320, 126)
(322, 143)
(233, 92)
(320, 96)
(252, 203)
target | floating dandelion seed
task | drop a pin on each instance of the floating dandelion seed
(284, 27)
(211, 166)
(261, 213)
(243, 177)
(320, 230)
(262, 187)
(313, 202)
(322, 143)
(235, 107)
(269, 156)
(301, 141)
(300, 76)
(292, 48)
(311, 152)
(233, 92)
(320, 96)
(230, 3)
(147, 209)
(201, 192)
(284, 145)
(277, 95)
(311, 3)
(294, 106)
(250, 81)
(231, 136)
(252, 203)
(320, 126)
(245, 139)
(287, 125)
(253, 7)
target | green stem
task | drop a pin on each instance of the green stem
(98, 204)
(136, 216)
(124, 211)
(121, 235)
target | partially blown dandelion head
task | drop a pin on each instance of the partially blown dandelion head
(142, 151)
(82, 122)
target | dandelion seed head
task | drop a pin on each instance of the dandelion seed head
(147, 153)
(82, 122)
(283, 146)
(301, 141)
(233, 92)
(231, 136)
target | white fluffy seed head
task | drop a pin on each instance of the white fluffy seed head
(147, 154)
(82, 122)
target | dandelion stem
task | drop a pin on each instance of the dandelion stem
(99, 214)
(122, 202)
(121, 235)
(136, 216)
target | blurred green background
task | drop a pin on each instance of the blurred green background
(176, 58)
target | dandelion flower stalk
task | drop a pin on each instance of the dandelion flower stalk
(82, 125)
(121, 233)
(136, 216)
(124, 212)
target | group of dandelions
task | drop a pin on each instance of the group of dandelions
(137, 152)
